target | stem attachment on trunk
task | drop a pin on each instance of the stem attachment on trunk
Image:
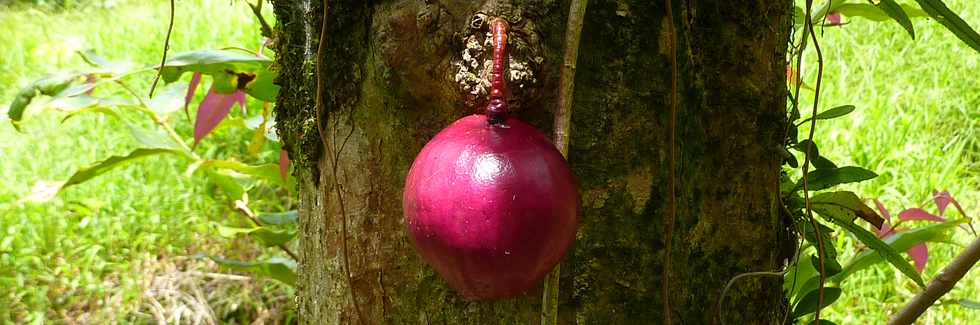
(497, 108)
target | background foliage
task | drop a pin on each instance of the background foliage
(104, 250)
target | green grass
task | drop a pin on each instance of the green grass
(916, 125)
(89, 255)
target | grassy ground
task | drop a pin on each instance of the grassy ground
(97, 252)
(93, 253)
(916, 124)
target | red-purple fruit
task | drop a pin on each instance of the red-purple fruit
(489, 202)
(491, 208)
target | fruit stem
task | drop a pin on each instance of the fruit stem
(497, 108)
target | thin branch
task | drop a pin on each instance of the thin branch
(821, 255)
(573, 34)
(166, 47)
(257, 10)
(240, 206)
(563, 119)
(939, 285)
(672, 168)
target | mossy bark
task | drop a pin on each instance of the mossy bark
(395, 74)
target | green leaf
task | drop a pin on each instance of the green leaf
(45, 191)
(801, 147)
(258, 140)
(230, 70)
(93, 59)
(266, 236)
(234, 184)
(896, 12)
(105, 67)
(831, 113)
(829, 177)
(872, 241)
(168, 100)
(808, 304)
(99, 168)
(49, 86)
(871, 12)
(898, 242)
(106, 110)
(822, 322)
(830, 265)
(786, 185)
(816, 159)
(798, 14)
(938, 11)
(278, 268)
(81, 104)
(802, 272)
(151, 138)
(821, 162)
(279, 218)
(969, 303)
(849, 201)
(267, 172)
(863, 10)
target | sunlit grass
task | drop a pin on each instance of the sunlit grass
(916, 124)
(82, 256)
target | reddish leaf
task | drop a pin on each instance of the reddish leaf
(919, 214)
(833, 18)
(920, 255)
(884, 212)
(213, 109)
(283, 163)
(886, 227)
(191, 88)
(942, 199)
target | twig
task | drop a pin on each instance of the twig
(573, 34)
(672, 168)
(219, 276)
(939, 285)
(242, 207)
(320, 59)
(166, 46)
(821, 255)
(257, 10)
(563, 118)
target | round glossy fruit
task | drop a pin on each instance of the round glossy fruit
(491, 207)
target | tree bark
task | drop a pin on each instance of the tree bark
(397, 72)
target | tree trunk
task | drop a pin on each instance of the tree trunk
(397, 72)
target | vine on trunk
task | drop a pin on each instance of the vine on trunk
(320, 58)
